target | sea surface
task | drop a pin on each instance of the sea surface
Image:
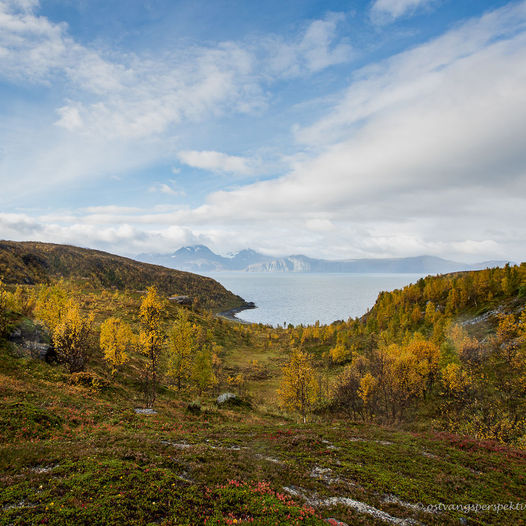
(304, 298)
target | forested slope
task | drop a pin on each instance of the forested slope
(32, 262)
(414, 413)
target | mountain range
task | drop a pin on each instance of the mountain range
(200, 258)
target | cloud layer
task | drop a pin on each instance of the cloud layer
(421, 152)
(121, 111)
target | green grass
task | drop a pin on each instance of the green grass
(70, 455)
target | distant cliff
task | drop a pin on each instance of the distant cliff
(200, 258)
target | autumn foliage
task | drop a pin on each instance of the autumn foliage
(298, 388)
(151, 340)
(447, 350)
(116, 341)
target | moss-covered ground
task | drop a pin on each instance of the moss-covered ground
(71, 454)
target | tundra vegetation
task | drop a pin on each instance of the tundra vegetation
(408, 415)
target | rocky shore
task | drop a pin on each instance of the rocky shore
(231, 314)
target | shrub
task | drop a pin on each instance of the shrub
(89, 379)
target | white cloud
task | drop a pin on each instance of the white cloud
(26, 6)
(169, 188)
(37, 50)
(396, 8)
(158, 232)
(318, 224)
(32, 45)
(415, 74)
(422, 153)
(136, 97)
(123, 239)
(315, 49)
(69, 118)
(216, 162)
(111, 209)
(121, 112)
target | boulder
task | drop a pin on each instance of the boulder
(227, 398)
(145, 411)
(231, 400)
(32, 341)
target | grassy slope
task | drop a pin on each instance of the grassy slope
(31, 262)
(71, 455)
(74, 456)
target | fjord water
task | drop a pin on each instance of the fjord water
(304, 298)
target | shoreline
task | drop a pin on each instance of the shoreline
(231, 314)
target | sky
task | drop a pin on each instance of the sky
(335, 129)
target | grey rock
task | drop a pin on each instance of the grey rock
(181, 300)
(223, 398)
(17, 333)
(145, 411)
(31, 341)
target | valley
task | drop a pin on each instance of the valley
(414, 413)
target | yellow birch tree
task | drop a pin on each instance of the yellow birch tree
(368, 384)
(3, 309)
(181, 344)
(151, 340)
(51, 304)
(203, 375)
(116, 339)
(298, 387)
(71, 338)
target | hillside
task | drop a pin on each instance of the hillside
(75, 450)
(31, 262)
